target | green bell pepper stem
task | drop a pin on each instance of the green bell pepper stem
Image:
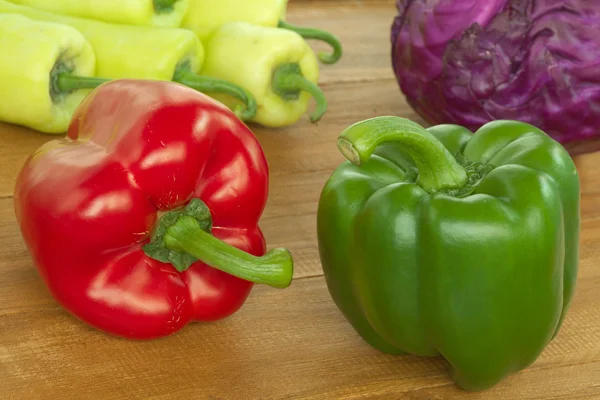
(164, 6)
(288, 82)
(438, 169)
(314, 33)
(66, 82)
(207, 85)
(273, 269)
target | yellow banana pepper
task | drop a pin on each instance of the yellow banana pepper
(35, 56)
(204, 17)
(139, 52)
(160, 13)
(276, 65)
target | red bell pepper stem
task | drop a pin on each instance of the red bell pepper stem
(314, 33)
(183, 236)
(273, 269)
(288, 82)
(438, 169)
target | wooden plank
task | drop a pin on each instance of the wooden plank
(363, 28)
(283, 344)
(290, 343)
(17, 143)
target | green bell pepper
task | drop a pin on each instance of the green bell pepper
(443, 242)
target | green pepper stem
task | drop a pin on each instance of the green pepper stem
(275, 268)
(66, 82)
(207, 85)
(438, 169)
(288, 82)
(314, 33)
(164, 6)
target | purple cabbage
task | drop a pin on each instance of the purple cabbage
(472, 61)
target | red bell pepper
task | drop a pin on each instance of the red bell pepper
(88, 208)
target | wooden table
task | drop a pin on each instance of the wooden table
(283, 344)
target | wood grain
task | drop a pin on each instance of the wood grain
(283, 344)
(364, 29)
(290, 343)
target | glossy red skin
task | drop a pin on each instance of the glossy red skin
(87, 203)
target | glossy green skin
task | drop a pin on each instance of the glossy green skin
(483, 280)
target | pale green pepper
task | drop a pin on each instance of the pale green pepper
(275, 65)
(32, 57)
